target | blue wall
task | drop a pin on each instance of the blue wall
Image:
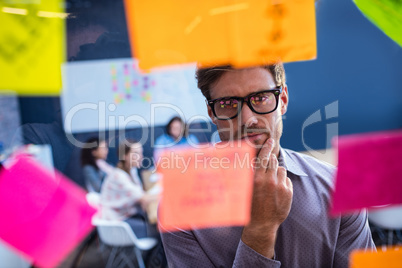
(357, 65)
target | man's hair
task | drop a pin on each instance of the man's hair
(207, 76)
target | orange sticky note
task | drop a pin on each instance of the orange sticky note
(391, 258)
(214, 32)
(206, 187)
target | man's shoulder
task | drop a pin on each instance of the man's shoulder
(307, 164)
(306, 157)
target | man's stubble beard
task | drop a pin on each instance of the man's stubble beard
(267, 133)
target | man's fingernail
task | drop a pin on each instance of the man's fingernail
(271, 141)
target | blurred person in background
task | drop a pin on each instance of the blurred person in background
(176, 134)
(123, 198)
(122, 193)
(93, 161)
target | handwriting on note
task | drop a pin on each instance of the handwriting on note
(213, 190)
(217, 32)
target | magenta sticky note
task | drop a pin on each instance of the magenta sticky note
(369, 171)
(44, 215)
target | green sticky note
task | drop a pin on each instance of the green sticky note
(385, 14)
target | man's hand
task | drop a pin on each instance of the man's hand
(272, 199)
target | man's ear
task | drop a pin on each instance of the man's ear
(211, 114)
(284, 100)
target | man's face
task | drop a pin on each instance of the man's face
(254, 128)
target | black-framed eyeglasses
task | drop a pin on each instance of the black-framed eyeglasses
(261, 102)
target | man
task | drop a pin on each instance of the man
(289, 225)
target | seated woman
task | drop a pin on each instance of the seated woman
(122, 194)
(176, 134)
(93, 161)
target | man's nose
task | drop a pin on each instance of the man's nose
(247, 116)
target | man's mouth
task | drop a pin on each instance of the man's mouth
(252, 136)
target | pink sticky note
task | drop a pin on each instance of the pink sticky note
(44, 215)
(369, 171)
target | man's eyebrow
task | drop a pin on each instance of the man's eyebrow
(228, 97)
(259, 90)
(235, 96)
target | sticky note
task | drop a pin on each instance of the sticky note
(391, 258)
(385, 14)
(206, 187)
(369, 168)
(213, 32)
(44, 215)
(32, 46)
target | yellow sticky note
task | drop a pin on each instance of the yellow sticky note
(213, 32)
(391, 258)
(32, 46)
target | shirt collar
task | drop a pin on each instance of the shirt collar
(286, 161)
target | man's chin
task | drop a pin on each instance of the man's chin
(256, 141)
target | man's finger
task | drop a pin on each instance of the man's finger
(273, 164)
(282, 175)
(265, 153)
(289, 184)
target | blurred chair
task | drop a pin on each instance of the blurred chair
(120, 236)
(93, 199)
(389, 218)
(10, 258)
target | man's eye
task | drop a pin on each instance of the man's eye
(258, 100)
(228, 103)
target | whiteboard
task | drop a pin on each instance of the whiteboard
(113, 94)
